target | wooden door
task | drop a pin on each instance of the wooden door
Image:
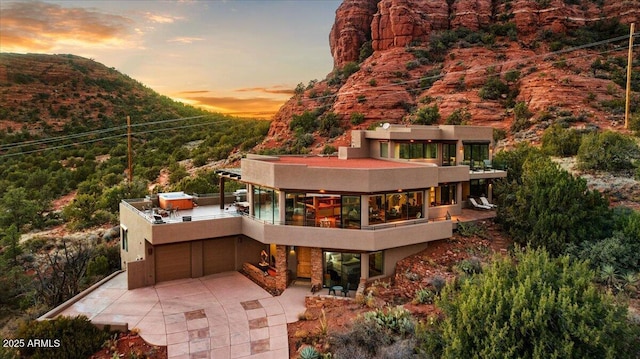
(304, 262)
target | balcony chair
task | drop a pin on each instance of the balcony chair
(486, 202)
(487, 165)
(478, 206)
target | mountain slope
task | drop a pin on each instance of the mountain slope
(517, 65)
(63, 131)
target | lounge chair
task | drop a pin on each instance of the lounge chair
(487, 165)
(485, 201)
(478, 206)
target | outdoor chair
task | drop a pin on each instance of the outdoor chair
(345, 291)
(486, 202)
(487, 165)
(478, 206)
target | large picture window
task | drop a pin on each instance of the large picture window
(396, 206)
(265, 204)
(411, 150)
(475, 154)
(342, 268)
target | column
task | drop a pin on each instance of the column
(281, 268)
(317, 269)
(364, 266)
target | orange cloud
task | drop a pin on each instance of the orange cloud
(40, 26)
(281, 90)
(244, 107)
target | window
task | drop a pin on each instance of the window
(448, 154)
(409, 150)
(384, 149)
(376, 264)
(475, 154)
(341, 268)
(396, 206)
(124, 238)
(295, 209)
(265, 204)
(351, 212)
(376, 209)
(442, 195)
(479, 187)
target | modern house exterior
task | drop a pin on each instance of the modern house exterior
(333, 220)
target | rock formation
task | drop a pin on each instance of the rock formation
(442, 52)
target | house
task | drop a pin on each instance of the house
(334, 220)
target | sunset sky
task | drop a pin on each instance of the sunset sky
(234, 56)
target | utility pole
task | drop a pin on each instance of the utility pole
(130, 167)
(629, 65)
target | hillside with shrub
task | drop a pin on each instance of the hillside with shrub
(519, 66)
(63, 170)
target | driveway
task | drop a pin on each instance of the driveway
(223, 315)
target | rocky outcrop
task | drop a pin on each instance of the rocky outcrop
(403, 74)
(351, 29)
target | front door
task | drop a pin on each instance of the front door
(304, 262)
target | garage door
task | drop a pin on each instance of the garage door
(219, 255)
(173, 261)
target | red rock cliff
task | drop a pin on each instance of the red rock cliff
(394, 82)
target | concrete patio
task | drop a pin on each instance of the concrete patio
(223, 315)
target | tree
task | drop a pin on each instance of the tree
(607, 151)
(18, 208)
(537, 307)
(551, 208)
(427, 115)
(559, 141)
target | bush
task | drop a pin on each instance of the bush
(305, 122)
(607, 151)
(70, 337)
(558, 141)
(329, 150)
(357, 118)
(459, 116)
(537, 307)
(377, 334)
(493, 89)
(424, 296)
(548, 207)
(428, 115)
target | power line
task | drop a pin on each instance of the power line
(115, 136)
(392, 85)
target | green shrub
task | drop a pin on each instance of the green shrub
(70, 337)
(357, 118)
(547, 206)
(558, 141)
(329, 150)
(377, 334)
(305, 122)
(534, 307)
(493, 89)
(607, 151)
(471, 265)
(424, 296)
(427, 115)
(459, 116)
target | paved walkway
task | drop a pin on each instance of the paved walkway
(223, 315)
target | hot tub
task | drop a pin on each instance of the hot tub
(175, 200)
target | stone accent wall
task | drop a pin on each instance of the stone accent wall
(317, 272)
(282, 277)
(257, 275)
